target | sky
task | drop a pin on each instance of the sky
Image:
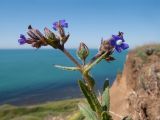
(89, 20)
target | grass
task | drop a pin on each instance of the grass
(141, 51)
(67, 109)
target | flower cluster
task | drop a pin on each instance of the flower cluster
(60, 24)
(116, 42)
(37, 39)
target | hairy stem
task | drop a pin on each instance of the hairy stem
(89, 66)
(71, 57)
(86, 78)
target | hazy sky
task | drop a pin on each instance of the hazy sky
(89, 20)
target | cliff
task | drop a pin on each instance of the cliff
(136, 92)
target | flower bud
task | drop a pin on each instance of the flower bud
(59, 26)
(105, 46)
(82, 51)
(34, 33)
(36, 38)
(51, 38)
(49, 34)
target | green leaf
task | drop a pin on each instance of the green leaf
(66, 68)
(106, 97)
(87, 112)
(106, 84)
(90, 79)
(87, 94)
(91, 98)
(105, 116)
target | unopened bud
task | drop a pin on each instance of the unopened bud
(51, 38)
(82, 51)
(34, 33)
(105, 46)
(49, 34)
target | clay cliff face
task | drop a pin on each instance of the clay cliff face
(136, 92)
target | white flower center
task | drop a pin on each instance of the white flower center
(119, 42)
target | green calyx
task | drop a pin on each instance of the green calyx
(83, 51)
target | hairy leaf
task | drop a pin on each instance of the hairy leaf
(66, 68)
(106, 97)
(105, 116)
(90, 80)
(87, 94)
(91, 98)
(87, 112)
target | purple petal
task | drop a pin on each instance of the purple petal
(55, 28)
(22, 41)
(118, 49)
(65, 25)
(124, 46)
(62, 21)
(112, 42)
(115, 37)
(122, 39)
(55, 23)
(22, 36)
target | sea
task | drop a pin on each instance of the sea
(28, 76)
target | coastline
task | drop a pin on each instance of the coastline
(46, 93)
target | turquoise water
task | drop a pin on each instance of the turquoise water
(28, 76)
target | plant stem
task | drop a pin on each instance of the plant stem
(85, 77)
(78, 65)
(71, 57)
(89, 66)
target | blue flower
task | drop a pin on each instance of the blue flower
(60, 23)
(22, 39)
(118, 42)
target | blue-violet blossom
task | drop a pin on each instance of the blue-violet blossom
(22, 40)
(118, 42)
(60, 23)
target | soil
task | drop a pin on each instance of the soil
(136, 92)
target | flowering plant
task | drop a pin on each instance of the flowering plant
(98, 109)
